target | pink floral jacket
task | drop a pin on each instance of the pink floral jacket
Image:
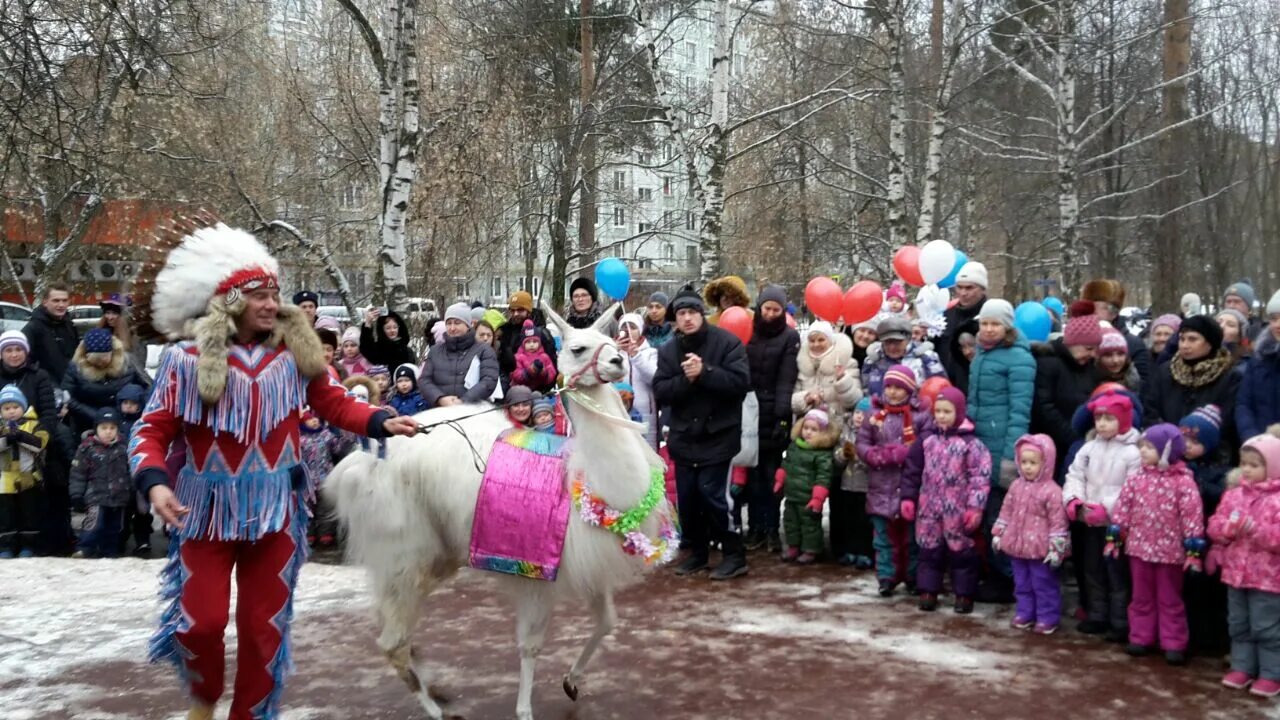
(1157, 510)
(1033, 515)
(1248, 548)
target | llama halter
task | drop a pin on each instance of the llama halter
(594, 366)
(625, 525)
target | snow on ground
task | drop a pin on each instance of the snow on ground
(783, 643)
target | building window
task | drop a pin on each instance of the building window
(667, 151)
(691, 51)
(646, 194)
(689, 221)
(668, 252)
(537, 286)
(666, 186)
(619, 180)
(620, 249)
(691, 255)
(619, 216)
(644, 228)
(495, 287)
(667, 217)
(643, 158)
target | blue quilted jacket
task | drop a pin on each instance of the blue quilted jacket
(1002, 384)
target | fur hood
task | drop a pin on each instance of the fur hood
(369, 385)
(730, 287)
(840, 355)
(116, 368)
(215, 330)
(826, 439)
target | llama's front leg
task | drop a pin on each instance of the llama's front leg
(602, 609)
(532, 613)
(398, 601)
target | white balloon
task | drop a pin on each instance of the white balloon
(937, 259)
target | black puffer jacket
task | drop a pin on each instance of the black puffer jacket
(53, 342)
(1168, 400)
(771, 356)
(379, 350)
(445, 370)
(706, 415)
(1062, 385)
(959, 321)
(92, 388)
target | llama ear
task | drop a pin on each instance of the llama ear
(606, 317)
(555, 318)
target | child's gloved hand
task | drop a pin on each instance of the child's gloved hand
(1057, 551)
(908, 510)
(1073, 510)
(1115, 542)
(895, 454)
(1095, 515)
(972, 519)
(817, 499)
(737, 481)
(779, 478)
(1237, 525)
(1195, 548)
(996, 542)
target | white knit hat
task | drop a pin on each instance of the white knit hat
(1273, 305)
(974, 273)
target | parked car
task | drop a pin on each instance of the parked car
(84, 317)
(13, 316)
(425, 306)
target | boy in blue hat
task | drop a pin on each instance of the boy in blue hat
(100, 481)
(22, 443)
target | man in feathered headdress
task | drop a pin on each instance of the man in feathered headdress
(235, 390)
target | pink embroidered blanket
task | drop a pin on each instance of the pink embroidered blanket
(522, 511)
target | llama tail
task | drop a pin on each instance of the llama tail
(375, 508)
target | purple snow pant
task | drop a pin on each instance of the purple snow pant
(1036, 589)
(964, 570)
(1156, 608)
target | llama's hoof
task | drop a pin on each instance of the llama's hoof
(570, 689)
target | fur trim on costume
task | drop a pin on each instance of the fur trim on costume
(213, 335)
(93, 373)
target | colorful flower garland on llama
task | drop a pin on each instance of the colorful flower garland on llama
(625, 525)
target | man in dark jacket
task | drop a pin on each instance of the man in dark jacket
(1258, 403)
(1107, 297)
(52, 336)
(1240, 296)
(519, 309)
(703, 377)
(771, 355)
(971, 293)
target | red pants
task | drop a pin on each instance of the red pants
(1156, 609)
(266, 573)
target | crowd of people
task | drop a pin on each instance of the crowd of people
(974, 461)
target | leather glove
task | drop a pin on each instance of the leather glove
(908, 510)
(817, 499)
(1008, 473)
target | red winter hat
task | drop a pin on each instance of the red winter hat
(1116, 405)
(1083, 327)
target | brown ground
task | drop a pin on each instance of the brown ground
(785, 642)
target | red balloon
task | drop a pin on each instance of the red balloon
(862, 302)
(906, 263)
(930, 388)
(791, 320)
(824, 298)
(737, 321)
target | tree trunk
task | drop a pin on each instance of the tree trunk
(715, 150)
(1068, 192)
(398, 125)
(587, 208)
(1172, 145)
(897, 128)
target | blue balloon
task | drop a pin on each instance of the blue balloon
(1055, 306)
(950, 279)
(613, 277)
(1033, 321)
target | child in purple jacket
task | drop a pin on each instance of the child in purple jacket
(1033, 532)
(1158, 520)
(884, 441)
(952, 493)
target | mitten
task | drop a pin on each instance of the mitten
(896, 454)
(850, 451)
(908, 510)
(1008, 473)
(972, 519)
(996, 542)
(817, 499)
(1073, 510)
(1115, 542)
(1195, 548)
(779, 478)
(537, 366)
(1095, 515)
(737, 481)
(1236, 525)
(1057, 551)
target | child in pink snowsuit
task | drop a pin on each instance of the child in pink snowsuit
(1158, 521)
(1246, 536)
(952, 493)
(534, 368)
(1032, 531)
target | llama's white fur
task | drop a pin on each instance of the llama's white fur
(410, 515)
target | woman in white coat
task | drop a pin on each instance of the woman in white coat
(642, 363)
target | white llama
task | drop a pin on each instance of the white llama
(410, 514)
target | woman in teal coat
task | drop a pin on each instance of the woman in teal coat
(1002, 385)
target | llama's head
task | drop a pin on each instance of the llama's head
(588, 357)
